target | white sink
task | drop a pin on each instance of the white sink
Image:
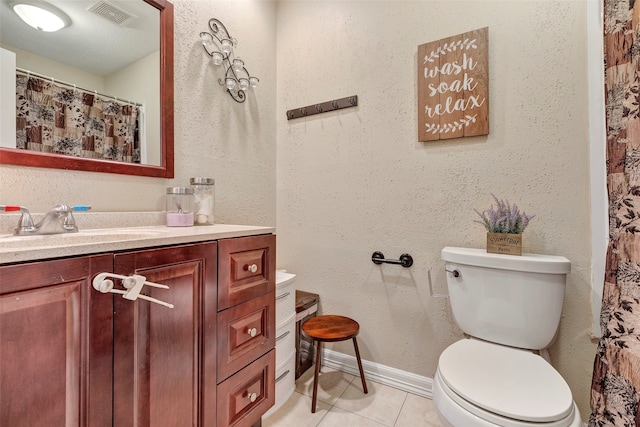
(8, 242)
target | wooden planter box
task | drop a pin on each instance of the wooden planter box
(503, 243)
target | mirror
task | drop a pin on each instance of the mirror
(163, 10)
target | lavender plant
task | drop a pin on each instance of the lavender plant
(505, 218)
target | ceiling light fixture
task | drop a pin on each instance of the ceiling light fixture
(41, 15)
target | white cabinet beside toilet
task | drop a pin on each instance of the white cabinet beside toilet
(285, 338)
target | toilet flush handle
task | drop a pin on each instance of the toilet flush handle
(454, 271)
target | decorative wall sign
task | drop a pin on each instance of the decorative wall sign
(453, 87)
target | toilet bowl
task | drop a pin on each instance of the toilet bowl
(481, 384)
(509, 308)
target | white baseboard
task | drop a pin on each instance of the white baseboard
(402, 380)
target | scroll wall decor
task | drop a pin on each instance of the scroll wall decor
(453, 87)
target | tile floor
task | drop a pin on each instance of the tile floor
(342, 403)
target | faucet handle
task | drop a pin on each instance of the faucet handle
(26, 222)
(10, 208)
(70, 221)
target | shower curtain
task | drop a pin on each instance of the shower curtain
(53, 118)
(615, 388)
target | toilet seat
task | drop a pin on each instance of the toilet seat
(456, 412)
(496, 382)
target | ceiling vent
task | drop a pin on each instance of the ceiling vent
(111, 12)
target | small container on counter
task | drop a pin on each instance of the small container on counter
(204, 200)
(179, 207)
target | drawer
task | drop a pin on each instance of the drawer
(246, 269)
(285, 304)
(285, 379)
(247, 395)
(285, 382)
(245, 332)
(286, 339)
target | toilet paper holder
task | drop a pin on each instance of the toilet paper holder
(405, 260)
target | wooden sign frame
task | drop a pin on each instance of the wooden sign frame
(453, 87)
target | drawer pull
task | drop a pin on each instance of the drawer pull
(284, 374)
(252, 268)
(252, 397)
(286, 294)
(283, 335)
(252, 331)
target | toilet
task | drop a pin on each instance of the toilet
(509, 308)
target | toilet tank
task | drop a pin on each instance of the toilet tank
(505, 299)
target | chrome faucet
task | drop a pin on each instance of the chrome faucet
(57, 221)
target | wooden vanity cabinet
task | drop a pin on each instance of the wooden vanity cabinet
(72, 356)
(55, 344)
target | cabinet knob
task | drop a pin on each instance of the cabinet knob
(252, 331)
(253, 397)
(252, 268)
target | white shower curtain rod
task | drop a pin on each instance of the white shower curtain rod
(75, 87)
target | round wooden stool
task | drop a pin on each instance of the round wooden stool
(330, 328)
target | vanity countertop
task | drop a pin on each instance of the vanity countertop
(28, 248)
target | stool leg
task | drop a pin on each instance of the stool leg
(364, 383)
(315, 377)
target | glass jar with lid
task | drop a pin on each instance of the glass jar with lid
(204, 200)
(179, 207)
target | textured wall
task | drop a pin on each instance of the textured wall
(214, 136)
(356, 181)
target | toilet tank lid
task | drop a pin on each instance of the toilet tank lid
(533, 263)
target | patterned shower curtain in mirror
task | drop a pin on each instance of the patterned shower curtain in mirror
(615, 389)
(53, 118)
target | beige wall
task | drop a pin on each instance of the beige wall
(357, 181)
(353, 182)
(39, 64)
(144, 89)
(214, 136)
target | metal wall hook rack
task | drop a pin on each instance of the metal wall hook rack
(405, 260)
(323, 107)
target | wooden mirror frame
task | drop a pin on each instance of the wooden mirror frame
(15, 156)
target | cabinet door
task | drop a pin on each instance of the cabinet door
(165, 358)
(55, 344)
